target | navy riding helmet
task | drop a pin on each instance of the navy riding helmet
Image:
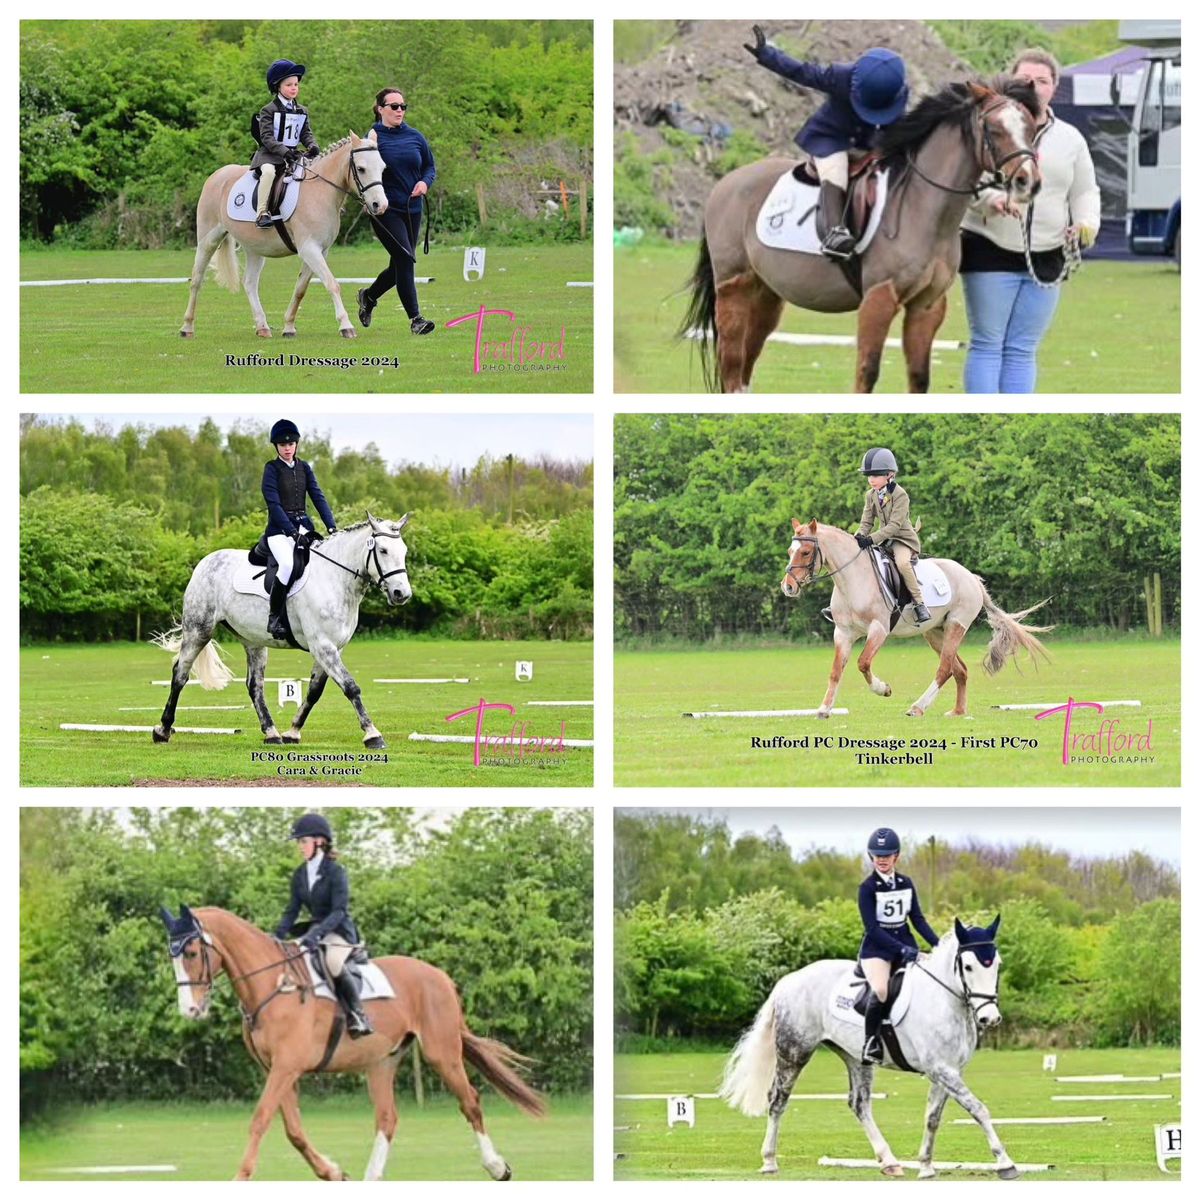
(281, 69)
(883, 842)
(878, 91)
(284, 431)
(311, 825)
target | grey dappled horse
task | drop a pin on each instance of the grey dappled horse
(353, 162)
(954, 992)
(323, 614)
(858, 610)
(938, 153)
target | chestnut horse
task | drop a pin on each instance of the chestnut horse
(287, 1031)
(937, 155)
(859, 610)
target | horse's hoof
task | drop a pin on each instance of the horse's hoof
(160, 735)
(264, 333)
(822, 715)
(894, 1171)
(349, 333)
(1009, 1173)
(292, 738)
(771, 1168)
(915, 712)
(926, 1173)
(375, 743)
(507, 1174)
(186, 334)
(287, 334)
(272, 741)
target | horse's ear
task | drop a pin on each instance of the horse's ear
(812, 526)
(796, 526)
(373, 137)
(978, 91)
(994, 926)
(373, 522)
(185, 913)
(960, 931)
(167, 919)
(400, 524)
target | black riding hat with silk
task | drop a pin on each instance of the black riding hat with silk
(883, 842)
(284, 431)
(311, 825)
(879, 461)
(281, 69)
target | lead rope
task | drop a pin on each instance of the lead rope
(1072, 253)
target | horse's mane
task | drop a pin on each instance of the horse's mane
(334, 146)
(955, 104)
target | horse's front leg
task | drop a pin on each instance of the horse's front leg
(289, 1107)
(920, 328)
(254, 268)
(279, 1083)
(861, 1078)
(289, 317)
(934, 1105)
(316, 685)
(947, 666)
(953, 1083)
(314, 257)
(876, 635)
(875, 315)
(256, 669)
(326, 653)
(843, 643)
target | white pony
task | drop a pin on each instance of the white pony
(951, 993)
(323, 615)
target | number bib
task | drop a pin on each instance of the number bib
(289, 126)
(893, 906)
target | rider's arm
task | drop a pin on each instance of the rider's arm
(428, 170)
(810, 75)
(308, 139)
(868, 517)
(919, 923)
(318, 498)
(274, 507)
(266, 132)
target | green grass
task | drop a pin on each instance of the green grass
(724, 1144)
(125, 338)
(206, 1141)
(654, 746)
(88, 684)
(1117, 329)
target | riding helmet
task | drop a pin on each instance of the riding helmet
(280, 70)
(879, 461)
(284, 431)
(878, 91)
(883, 842)
(311, 825)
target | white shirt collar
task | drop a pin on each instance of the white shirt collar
(285, 462)
(314, 865)
(890, 880)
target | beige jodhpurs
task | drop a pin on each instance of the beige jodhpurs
(337, 950)
(879, 973)
(906, 564)
(266, 180)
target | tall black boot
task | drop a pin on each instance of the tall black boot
(275, 625)
(872, 1019)
(838, 241)
(357, 1024)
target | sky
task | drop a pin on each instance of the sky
(1087, 832)
(445, 440)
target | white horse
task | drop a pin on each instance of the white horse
(859, 610)
(954, 989)
(353, 162)
(323, 615)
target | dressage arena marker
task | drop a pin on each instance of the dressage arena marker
(489, 739)
(1033, 1120)
(560, 703)
(420, 681)
(1060, 703)
(191, 708)
(1103, 1099)
(149, 1169)
(716, 1096)
(833, 339)
(140, 729)
(1108, 1079)
(778, 712)
(913, 1165)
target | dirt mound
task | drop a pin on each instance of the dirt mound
(705, 70)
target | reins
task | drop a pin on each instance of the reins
(372, 557)
(966, 995)
(818, 561)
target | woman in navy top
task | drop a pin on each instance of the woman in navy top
(410, 173)
(888, 904)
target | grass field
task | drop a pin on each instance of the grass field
(725, 1145)
(655, 746)
(125, 338)
(1117, 329)
(206, 1141)
(89, 684)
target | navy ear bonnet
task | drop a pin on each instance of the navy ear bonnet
(180, 930)
(981, 942)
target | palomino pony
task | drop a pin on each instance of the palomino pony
(288, 1032)
(859, 610)
(353, 162)
(936, 155)
(323, 615)
(953, 992)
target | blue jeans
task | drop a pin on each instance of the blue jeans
(1008, 315)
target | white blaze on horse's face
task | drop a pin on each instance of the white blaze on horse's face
(194, 995)
(1026, 178)
(985, 980)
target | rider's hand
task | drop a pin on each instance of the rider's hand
(310, 941)
(760, 42)
(910, 954)
(863, 540)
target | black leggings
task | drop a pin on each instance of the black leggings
(400, 241)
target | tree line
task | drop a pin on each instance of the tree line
(1091, 946)
(122, 121)
(113, 521)
(1077, 507)
(500, 899)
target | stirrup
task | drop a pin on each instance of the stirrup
(838, 243)
(872, 1053)
(264, 221)
(358, 1026)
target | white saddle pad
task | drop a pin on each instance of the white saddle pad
(788, 217)
(250, 581)
(241, 205)
(934, 585)
(849, 988)
(375, 985)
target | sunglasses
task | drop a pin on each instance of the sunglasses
(395, 107)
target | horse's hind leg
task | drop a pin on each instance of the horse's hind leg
(747, 311)
(875, 315)
(936, 638)
(951, 639)
(256, 669)
(876, 635)
(381, 1079)
(933, 1118)
(861, 1077)
(316, 685)
(289, 317)
(326, 654)
(254, 269)
(787, 1070)
(920, 328)
(193, 638)
(206, 247)
(289, 1108)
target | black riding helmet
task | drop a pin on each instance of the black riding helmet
(284, 431)
(883, 842)
(879, 461)
(311, 825)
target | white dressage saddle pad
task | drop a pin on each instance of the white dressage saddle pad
(845, 995)
(241, 206)
(934, 585)
(375, 985)
(250, 581)
(788, 217)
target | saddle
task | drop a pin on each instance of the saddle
(242, 204)
(260, 556)
(895, 591)
(849, 1003)
(861, 195)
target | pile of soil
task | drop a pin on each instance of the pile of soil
(705, 68)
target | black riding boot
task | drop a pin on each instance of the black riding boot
(275, 625)
(357, 1024)
(838, 241)
(872, 1019)
(920, 614)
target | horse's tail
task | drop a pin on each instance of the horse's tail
(209, 667)
(750, 1069)
(1009, 635)
(700, 320)
(226, 263)
(498, 1064)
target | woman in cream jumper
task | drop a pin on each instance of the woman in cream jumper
(1008, 312)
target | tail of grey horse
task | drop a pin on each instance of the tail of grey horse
(1009, 635)
(209, 668)
(750, 1069)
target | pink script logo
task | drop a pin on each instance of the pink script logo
(514, 744)
(519, 351)
(1105, 742)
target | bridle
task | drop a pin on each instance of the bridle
(966, 994)
(358, 184)
(814, 564)
(372, 557)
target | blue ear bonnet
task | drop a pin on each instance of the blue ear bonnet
(180, 930)
(979, 942)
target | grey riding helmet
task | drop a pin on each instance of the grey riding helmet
(878, 461)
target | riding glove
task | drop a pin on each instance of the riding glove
(863, 540)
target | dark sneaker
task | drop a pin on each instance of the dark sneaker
(422, 326)
(839, 243)
(366, 306)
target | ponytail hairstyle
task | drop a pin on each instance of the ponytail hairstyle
(380, 96)
(329, 851)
